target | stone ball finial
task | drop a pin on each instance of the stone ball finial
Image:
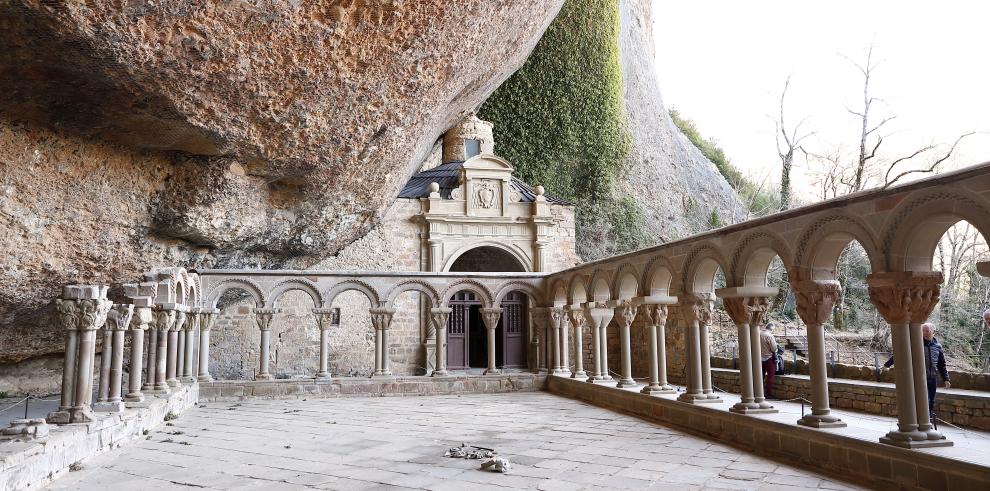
(434, 187)
(539, 190)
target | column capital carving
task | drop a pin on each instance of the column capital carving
(746, 310)
(264, 318)
(381, 318)
(815, 299)
(656, 314)
(164, 318)
(905, 297)
(627, 311)
(180, 320)
(207, 317)
(696, 307)
(556, 316)
(324, 318)
(194, 316)
(439, 316)
(491, 316)
(119, 317)
(578, 317)
(141, 318)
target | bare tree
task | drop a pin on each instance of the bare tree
(868, 136)
(787, 144)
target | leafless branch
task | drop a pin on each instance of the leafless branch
(931, 168)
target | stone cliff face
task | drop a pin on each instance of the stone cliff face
(676, 185)
(264, 133)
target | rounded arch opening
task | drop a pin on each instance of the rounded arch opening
(486, 259)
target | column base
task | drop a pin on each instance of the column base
(188, 380)
(626, 383)
(60, 417)
(173, 382)
(204, 378)
(108, 407)
(751, 408)
(83, 414)
(492, 371)
(440, 373)
(147, 387)
(696, 398)
(565, 373)
(264, 376)
(322, 375)
(821, 421)
(914, 443)
(382, 375)
(134, 397)
(657, 389)
(579, 374)
(159, 390)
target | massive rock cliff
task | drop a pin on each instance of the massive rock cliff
(676, 185)
(252, 133)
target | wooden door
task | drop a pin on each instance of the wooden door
(513, 323)
(458, 329)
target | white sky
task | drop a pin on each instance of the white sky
(723, 65)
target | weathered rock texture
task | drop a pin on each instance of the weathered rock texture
(269, 133)
(676, 185)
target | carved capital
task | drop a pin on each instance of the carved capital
(381, 318)
(141, 318)
(627, 312)
(746, 310)
(440, 316)
(93, 313)
(180, 320)
(324, 318)
(815, 299)
(491, 317)
(264, 318)
(119, 317)
(556, 317)
(905, 297)
(656, 315)
(207, 317)
(696, 307)
(578, 317)
(193, 319)
(68, 314)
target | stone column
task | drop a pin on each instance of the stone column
(381, 318)
(118, 321)
(605, 373)
(556, 313)
(173, 347)
(103, 393)
(656, 321)
(815, 300)
(206, 319)
(85, 307)
(599, 315)
(264, 319)
(627, 314)
(180, 351)
(905, 300)
(747, 306)
(439, 317)
(578, 319)
(142, 297)
(695, 311)
(191, 327)
(491, 317)
(152, 359)
(164, 321)
(324, 319)
(704, 340)
(565, 352)
(539, 319)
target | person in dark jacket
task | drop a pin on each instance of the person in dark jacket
(934, 364)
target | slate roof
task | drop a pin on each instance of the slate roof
(446, 175)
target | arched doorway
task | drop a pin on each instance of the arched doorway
(467, 340)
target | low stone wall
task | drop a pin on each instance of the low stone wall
(875, 464)
(970, 410)
(960, 380)
(33, 464)
(227, 390)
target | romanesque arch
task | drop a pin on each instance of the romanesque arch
(658, 276)
(577, 292)
(517, 254)
(752, 257)
(347, 285)
(412, 285)
(599, 288)
(625, 283)
(470, 285)
(534, 293)
(250, 286)
(700, 268)
(301, 284)
(824, 240)
(915, 228)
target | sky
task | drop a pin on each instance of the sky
(723, 64)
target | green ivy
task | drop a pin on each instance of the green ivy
(561, 121)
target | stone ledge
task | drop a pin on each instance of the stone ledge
(828, 452)
(226, 390)
(32, 464)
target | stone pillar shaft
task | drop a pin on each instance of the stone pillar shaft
(747, 306)
(578, 320)
(264, 317)
(137, 359)
(69, 368)
(603, 351)
(627, 314)
(491, 318)
(149, 383)
(105, 359)
(439, 316)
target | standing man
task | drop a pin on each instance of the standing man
(768, 348)
(934, 364)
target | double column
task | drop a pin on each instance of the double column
(439, 316)
(381, 318)
(747, 306)
(172, 362)
(142, 297)
(559, 324)
(82, 310)
(815, 300)
(578, 319)
(264, 316)
(599, 316)
(324, 319)
(541, 337)
(626, 311)
(118, 322)
(192, 326)
(555, 314)
(655, 308)
(491, 316)
(164, 320)
(206, 319)
(905, 300)
(696, 310)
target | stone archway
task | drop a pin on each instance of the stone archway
(486, 259)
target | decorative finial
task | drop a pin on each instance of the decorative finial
(434, 187)
(539, 190)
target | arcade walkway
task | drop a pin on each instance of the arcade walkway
(398, 443)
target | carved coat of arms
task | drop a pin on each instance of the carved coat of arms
(485, 194)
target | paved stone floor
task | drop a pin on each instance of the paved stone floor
(398, 443)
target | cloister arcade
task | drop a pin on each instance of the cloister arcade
(669, 288)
